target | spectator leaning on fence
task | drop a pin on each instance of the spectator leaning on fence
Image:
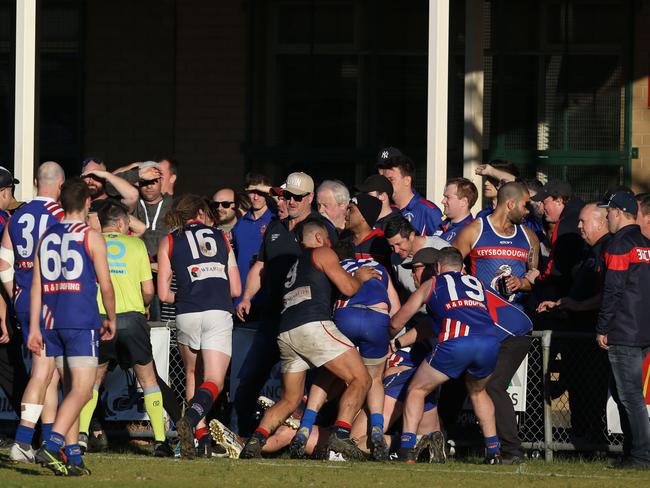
(623, 327)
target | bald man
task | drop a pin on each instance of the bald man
(579, 313)
(225, 209)
(19, 240)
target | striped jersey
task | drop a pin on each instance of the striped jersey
(372, 291)
(458, 306)
(26, 226)
(68, 279)
(493, 255)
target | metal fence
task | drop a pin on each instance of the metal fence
(566, 395)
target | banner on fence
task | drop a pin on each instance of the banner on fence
(122, 397)
(516, 389)
(613, 417)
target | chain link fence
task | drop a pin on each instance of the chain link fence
(566, 396)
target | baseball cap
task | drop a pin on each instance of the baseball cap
(299, 184)
(386, 154)
(7, 178)
(378, 183)
(426, 255)
(622, 200)
(555, 189)
(369, 206)
(277, 191)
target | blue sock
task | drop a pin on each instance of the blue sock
(377, 420)
(55, 442)
(46, 430)
(73, 453)
(408, 440)
(307, 421)
(492, 444)
(24, 434)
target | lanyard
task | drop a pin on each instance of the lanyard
(155, 217)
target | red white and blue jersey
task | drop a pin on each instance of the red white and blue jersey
(68, 279)
(25, 228)
(493, 255)
(458, 307)
(452, 229)
(509, 319)
(423, 215)
(199, 258)
(372, 292)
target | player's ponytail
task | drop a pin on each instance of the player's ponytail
(186, 208)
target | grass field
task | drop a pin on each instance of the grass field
(131, 470)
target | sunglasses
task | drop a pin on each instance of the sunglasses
(296, 198)
(224, 204)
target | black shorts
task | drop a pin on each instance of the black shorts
(131, 346)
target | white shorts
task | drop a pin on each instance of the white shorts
(311, 345)
(211, 329)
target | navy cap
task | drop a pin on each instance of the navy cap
(555, 189)
(386, 154)
(7, 178)
(622, 200)
(378, 183)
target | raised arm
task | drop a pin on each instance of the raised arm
(410, 308)
(127, 191)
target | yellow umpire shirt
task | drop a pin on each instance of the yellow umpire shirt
(128, 263)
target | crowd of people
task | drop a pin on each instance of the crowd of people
(382, 309)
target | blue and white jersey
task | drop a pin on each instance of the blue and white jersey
(458, 306)
(68, 279)
(423, 215)
(452, 229)
(26, 226)
(372, 291)
(493, 255)
(200, 256)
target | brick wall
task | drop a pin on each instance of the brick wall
(165, 77)
(640, 110)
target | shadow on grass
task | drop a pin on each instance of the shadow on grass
(22, 468)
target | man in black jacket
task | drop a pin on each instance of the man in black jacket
(623, 329)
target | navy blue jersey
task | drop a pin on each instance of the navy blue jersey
(68, 279)
(493, 255)
(307, 294)
(458, 306)
(423, 215)
(26, 226)
(374, 247)
(373, 291)
(199, 258)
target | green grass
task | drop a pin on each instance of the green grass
(131, 470)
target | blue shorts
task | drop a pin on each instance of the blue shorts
(396, 386)
(366, 328)
(71, 343)
(475, 354)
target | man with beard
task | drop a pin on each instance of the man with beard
(501, 250)
(224, 208)
(104, 184)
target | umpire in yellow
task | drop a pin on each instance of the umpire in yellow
(130, 271)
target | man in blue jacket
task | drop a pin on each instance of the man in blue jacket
(623, 329)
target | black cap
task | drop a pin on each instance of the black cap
(369, 206)
(386, 154)
(555, 189)
(622, 200)
(426, 255)
(7, 178)
(378, 183)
